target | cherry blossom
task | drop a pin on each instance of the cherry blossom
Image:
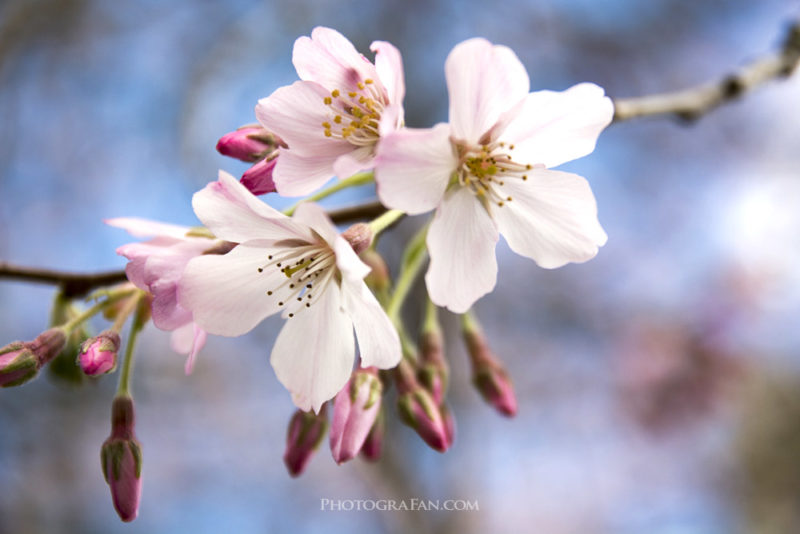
(488, 173)
(334, 116)
(300, 267)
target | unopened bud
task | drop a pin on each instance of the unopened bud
(63, 367)
(258, 178)
(99, 354)
(354, 412)
(449, 424)
(420, 411)
(249, 143)
(121, 460)
(359, 236)
(48, 345)
(378, 278)
(373, 445)
(306, 431)
(17, 364)
(488, 374)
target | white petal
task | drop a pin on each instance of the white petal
(313, 355)
(552, 218)
(348, 262)
(298, 175)
(233, 213)
(461, 242)
(296, 113)
(188, 339)
(378, 342)
(483, 81)
(413, 168)
(329, 59)
(389, 64)
(226, 294)
(313, 216)
(552, 128)
(348, 164)
(144, 227)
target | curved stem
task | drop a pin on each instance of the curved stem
(97, 308)
(123, 388)
(383, 222)
(413, 259)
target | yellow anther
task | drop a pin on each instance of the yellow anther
(326, 125)
(337, 119)
(360, 85)
(361, 100)
(524, 177)
(328, 133)
(328, 101)
(368, 81)
(352, 94)
(335, 93)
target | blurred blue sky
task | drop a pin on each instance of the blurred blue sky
(113, 109)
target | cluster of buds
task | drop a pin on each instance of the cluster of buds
(21, 361)
(253, 144)
(488, 374)
(420, 410)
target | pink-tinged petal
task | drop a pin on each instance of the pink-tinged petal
(348, 164)
(329, 59)
(296, 175)
(552, 218)
(391, 120)
(296, 113)
(348, 262)
(461, 242)
(188, 339)
(227, 295)
(312, 215)
(135, 272)
(483, 81)
(552, 127)
(413, 168)
(389, 64)
(314, 352)
(378, 342)
(233, 213)
(145, 228)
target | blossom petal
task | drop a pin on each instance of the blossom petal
(313, 216)
(413, 168)
(378, 342)
(138, 227)
(296, 113)
(227, 295)
(314, 352)
(389, 64)
(461, 242)
(552, 218)
(233, 213)
(483, 81)
(188, 339)
(298, 175)
(553, 127)
(348, 164)
(329, 59)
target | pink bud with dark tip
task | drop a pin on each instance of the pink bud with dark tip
(305, 433)
(21, 361)
(249, 143)
(373, 445)
(258, 178)
(121, 460)
(488, 374)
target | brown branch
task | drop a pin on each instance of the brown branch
(691, 104)
(75, 285)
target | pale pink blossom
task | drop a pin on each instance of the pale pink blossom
(156, 266)
(334, 116)
(299, 266)
(487, 173)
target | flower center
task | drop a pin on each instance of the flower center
(355, 115)
(308, 270)
(485, 169)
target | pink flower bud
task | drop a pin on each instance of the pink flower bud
(121, 460)
(98, 355)
(420, 411)
(17, 364)
(449, 424)
(258, 178)
(249, 143)
(488, 374)
(359, 236)
(306, 431)
(373, 445)
(48, 345)
(354, 412)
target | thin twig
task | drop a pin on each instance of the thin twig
(691, 104)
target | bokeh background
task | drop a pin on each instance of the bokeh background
(659, 384)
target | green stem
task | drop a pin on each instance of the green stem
(123, 315)
(469, 323)
(431, 323)
(383, 222)
(123, 388)
(413, 259)
(360, 178)
(94, 310)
